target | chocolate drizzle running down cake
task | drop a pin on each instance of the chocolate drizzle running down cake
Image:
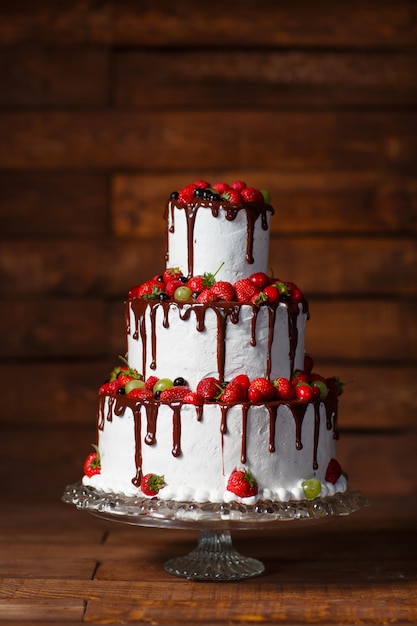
(216, 399)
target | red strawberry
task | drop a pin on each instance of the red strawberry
(223, 290)
(250, 194)
(201, 184)
(171, 273)
(149, 289)
(186, 194)
(233, 196)
(284, 389)
(208, 388)
(233, 393)
(173, 394)
(151, 484)
(172, 285)
(335, 386)
(242, 380)
(245, 290)
(271, 293)
(261, 390)
(242, 483)
(193, 398)
(304, 392)
(197, 284)
(259, 298)
(127, 374)
(260, 279)
(206, 296)
(140, 394)
(220, 187)
(238, 185)
(92, 464)
(112, 386)
(150, 382)
(299, 376)
(333, 471)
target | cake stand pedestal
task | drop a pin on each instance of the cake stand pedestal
(214, 558)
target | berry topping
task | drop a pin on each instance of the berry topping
(151, 484)
(140, 393)
(209, 388)
(333, 471)
(173, 394)
(220, 187)
(233, 392)
(112, 386)
(260, 280)
(171, 273)
(201, 184)
(223, 290)
(134, 384)
(233, 196)
(182, 294)
(242, 380)
(92, 464)
(206, 296)
(245, 290)
(193, 398)
(238, 185)
(304, 391)
(284, 389)
(261, 390)
(242, 483)
(250, 194)
(151, 382)
(172, 286)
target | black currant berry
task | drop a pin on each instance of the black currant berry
(179, 382)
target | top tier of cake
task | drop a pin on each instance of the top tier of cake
(203, 234)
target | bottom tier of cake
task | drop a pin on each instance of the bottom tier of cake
(288, 449)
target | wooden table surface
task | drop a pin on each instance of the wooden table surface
(60, 565)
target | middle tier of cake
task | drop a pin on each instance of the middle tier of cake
(221, 339)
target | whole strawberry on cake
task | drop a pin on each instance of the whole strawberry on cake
(216, 399)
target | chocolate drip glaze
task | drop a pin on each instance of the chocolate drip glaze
(272, 410)
(117, 405)
(316, 433)
(252, 210)
(298, 410)
(138, 445)
(224, 311)
(245, 408)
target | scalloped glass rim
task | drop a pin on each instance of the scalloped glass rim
(227, 516)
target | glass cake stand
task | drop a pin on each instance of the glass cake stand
(214, 558)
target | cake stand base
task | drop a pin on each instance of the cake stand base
(214, 558)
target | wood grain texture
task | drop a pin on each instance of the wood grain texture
(37, 206)
(264, 79)
(31, 78)
(354, 23)
(328, 266)
(273, 140)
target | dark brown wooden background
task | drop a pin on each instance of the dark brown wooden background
(106, 107)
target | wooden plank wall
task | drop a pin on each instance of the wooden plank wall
(106, 107)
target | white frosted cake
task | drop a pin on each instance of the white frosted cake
(216, 400)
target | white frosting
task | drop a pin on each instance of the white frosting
(163, 340)
(216, 240)
(208, 457)
(182, 350)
